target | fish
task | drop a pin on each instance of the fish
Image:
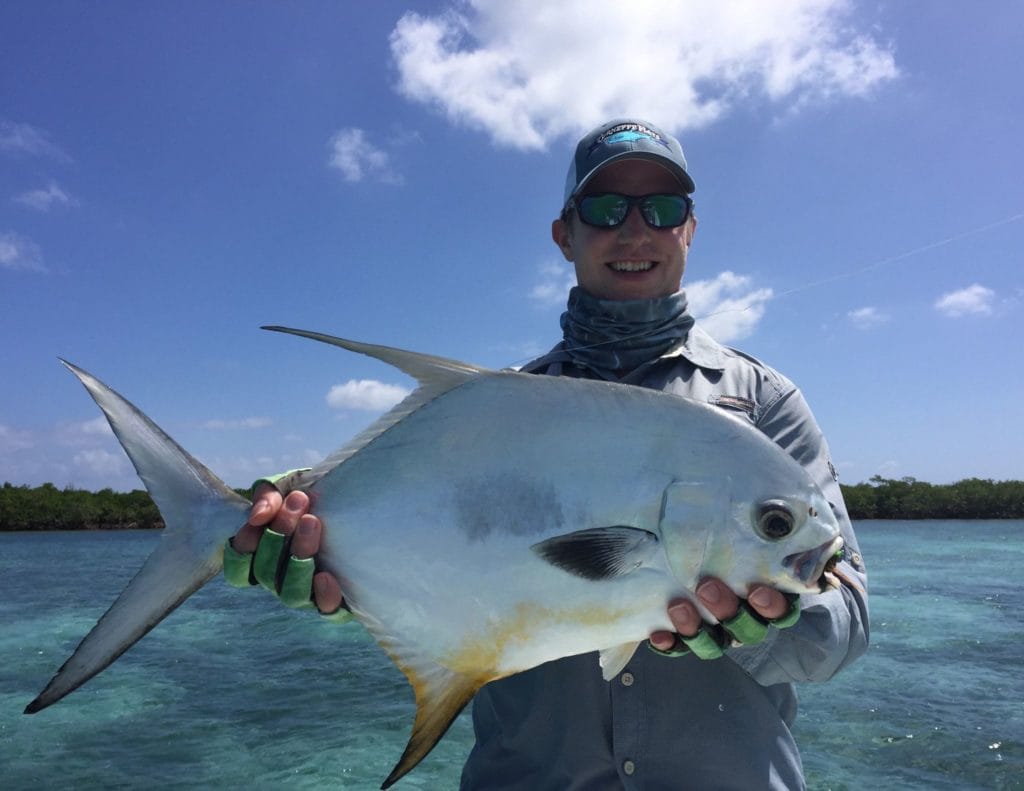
(492, 521)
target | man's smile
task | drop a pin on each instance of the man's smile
(632, 266)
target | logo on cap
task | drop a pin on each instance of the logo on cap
(626, 133)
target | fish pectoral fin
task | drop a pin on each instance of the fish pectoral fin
(599, 553)
(613, 660)
(440, 695)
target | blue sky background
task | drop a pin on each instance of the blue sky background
(174, 175)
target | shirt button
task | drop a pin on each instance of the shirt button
(628, 767)
(627, 679)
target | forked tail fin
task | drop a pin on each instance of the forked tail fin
(200, 513)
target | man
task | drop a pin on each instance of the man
(709, 707)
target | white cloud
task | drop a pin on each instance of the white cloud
(102, 463)
(243, 470)
(525, 72)
(867, 317)
(975, 299)
(13, 439)
(98, 426)
(16, 138)
(727, 306)
(81, 454)
(357, 158)
(45, 198)
(368, 394)
(243, 423)
(888, 468)
(553, 283)
(308, 457)
(19, 252)
(84, 432)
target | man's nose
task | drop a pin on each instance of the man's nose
(634, 226)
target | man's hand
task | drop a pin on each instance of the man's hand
(721, 602)
(289, 516)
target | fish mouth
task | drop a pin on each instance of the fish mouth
(813, 567)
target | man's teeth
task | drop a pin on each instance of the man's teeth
(631, 266)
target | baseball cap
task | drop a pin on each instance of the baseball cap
(625, 138)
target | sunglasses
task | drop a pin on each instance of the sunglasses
(610, 209)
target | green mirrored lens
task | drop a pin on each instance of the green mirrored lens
(604, 210)
(610, 210)
(664, 211)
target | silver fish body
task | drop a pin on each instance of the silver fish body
(470, 484)
(494, 521)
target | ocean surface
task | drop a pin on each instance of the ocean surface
(227, 696)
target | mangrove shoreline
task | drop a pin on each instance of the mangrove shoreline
(46, 507)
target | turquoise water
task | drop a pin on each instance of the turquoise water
(257, 697)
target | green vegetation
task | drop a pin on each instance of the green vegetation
(48, 508)
(908, 498)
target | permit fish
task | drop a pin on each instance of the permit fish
(493, 521)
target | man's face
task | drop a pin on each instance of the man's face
(632, 261)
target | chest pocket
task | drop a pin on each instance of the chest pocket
(732, 403)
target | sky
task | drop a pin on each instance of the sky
(175, 175)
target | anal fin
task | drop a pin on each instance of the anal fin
(440, 695)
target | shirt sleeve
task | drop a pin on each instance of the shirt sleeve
(833, 627)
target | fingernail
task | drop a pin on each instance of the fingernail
(709, 592)
(678, 612)
(761, 597)
(295, 501)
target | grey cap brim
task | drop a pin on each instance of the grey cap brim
(683, 177)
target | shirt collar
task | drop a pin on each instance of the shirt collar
(699, 348)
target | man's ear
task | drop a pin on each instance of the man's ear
(561, 235)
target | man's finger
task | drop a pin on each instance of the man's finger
(265, 505)
(685, 618)
(663, 641)
(295, 505)
(768, 602)
(719, 599)
(326, 592)
(306, 541)
(247, 539)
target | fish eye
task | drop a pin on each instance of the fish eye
(774, 520)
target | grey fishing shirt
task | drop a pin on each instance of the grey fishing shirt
(681, 723)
